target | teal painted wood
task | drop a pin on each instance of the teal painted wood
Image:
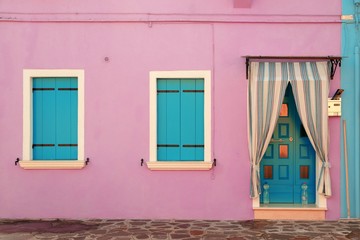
(44, 118)
(285, 184)
(180, 120)
(173, 133)
(37, 119)
(74, 118)
(49, 119)
(66, 118)
(199, 120)
(351, 112)
(188, 119)
(55, 104)
(161, 120)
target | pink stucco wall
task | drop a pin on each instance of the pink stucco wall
(117, 107)
(305, 7)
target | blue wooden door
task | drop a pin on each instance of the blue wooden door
(55, 105)
(289, 160)
(180, 119)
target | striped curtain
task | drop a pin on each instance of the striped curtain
(266, 89)
(265, 94)
(310, 85)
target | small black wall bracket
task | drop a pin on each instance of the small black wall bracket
(247, 67)
(87, 161)
(17, 161)
(214, 162)
(142, 162)
(334, 63)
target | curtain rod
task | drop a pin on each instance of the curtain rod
(334, 60)
(294, 57)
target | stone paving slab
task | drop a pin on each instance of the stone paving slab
(60, 229)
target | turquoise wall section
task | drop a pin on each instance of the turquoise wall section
(350, 76)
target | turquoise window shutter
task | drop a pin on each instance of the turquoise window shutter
(74, 118)
(37, 119)
(180, 116)
(173, 120)
(188, 120)
(161, 120)
(43, 118)
(168, 120)
(54, 118)
(199, 120)
(66, 116)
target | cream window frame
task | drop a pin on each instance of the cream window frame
(153, 163)
(27, 158)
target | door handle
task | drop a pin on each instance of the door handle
(281, 140)
(276, 140)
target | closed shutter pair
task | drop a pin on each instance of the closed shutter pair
(180, 119)
(55, 118)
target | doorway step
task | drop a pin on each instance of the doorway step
(289, 212)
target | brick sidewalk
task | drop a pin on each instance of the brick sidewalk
(177, 229)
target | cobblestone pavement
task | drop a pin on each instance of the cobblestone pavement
(177, 229)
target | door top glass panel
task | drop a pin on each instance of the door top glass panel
(284, 112)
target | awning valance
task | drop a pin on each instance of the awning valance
(333, 61)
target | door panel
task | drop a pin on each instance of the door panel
(289, 160)
(305, 159)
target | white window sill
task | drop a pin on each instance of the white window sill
(59, 164)
(179, 165)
